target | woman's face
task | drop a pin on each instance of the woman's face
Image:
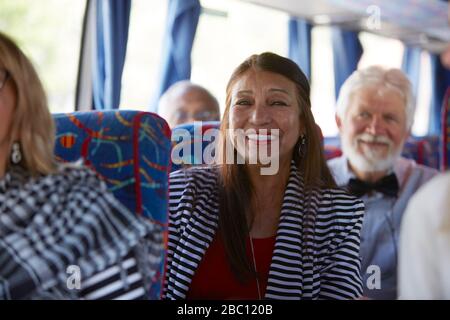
(7, 106)
(262, 101)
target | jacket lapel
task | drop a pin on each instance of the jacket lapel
(196, 225)
(288, 244)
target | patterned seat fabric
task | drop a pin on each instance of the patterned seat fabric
(332, 147)
(445, 135)
(194, 134)
(130, 151)
(424, 150)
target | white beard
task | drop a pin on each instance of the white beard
(369, 160)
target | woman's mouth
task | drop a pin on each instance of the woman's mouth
(261, 138)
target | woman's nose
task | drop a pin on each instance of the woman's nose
(260, 115)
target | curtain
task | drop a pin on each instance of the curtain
(112, 21)
(347, 51)
(440, 82)
(182, 20)
(299, 33)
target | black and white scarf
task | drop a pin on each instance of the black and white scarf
(49, 223)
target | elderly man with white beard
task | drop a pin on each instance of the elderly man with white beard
(375, 112)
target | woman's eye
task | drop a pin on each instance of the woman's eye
(242, 103)
(278, 103)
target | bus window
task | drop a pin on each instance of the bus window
(322, 84)
(142, 62)
(422, 116)
(391, 56)
(50, 34)
(227, 33)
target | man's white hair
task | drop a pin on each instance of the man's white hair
(378, 76)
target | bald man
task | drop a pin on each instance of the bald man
(186, 102)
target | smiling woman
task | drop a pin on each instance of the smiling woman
(266, 236)
(262, 100)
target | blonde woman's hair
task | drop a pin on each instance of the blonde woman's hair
(32, 125)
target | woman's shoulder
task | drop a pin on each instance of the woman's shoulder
(65, 180)
(340, 203)
(190, 186)
(339, 216)
(199, 176)
(65, 176)
(339, 193)
(75, 170)
(76, 174)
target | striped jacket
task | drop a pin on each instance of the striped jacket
(331, 270)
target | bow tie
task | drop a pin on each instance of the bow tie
(387, 185)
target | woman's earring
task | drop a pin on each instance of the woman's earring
(16, 154)
(302, 139)
(301, 146)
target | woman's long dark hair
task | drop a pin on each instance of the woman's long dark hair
(235, 187)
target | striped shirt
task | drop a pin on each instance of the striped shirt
(327, 268)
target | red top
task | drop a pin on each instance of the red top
(215, 280)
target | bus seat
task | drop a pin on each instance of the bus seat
(332, 147)
(130, 151)
(424, 150)
(196, 131)
(445, 135)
